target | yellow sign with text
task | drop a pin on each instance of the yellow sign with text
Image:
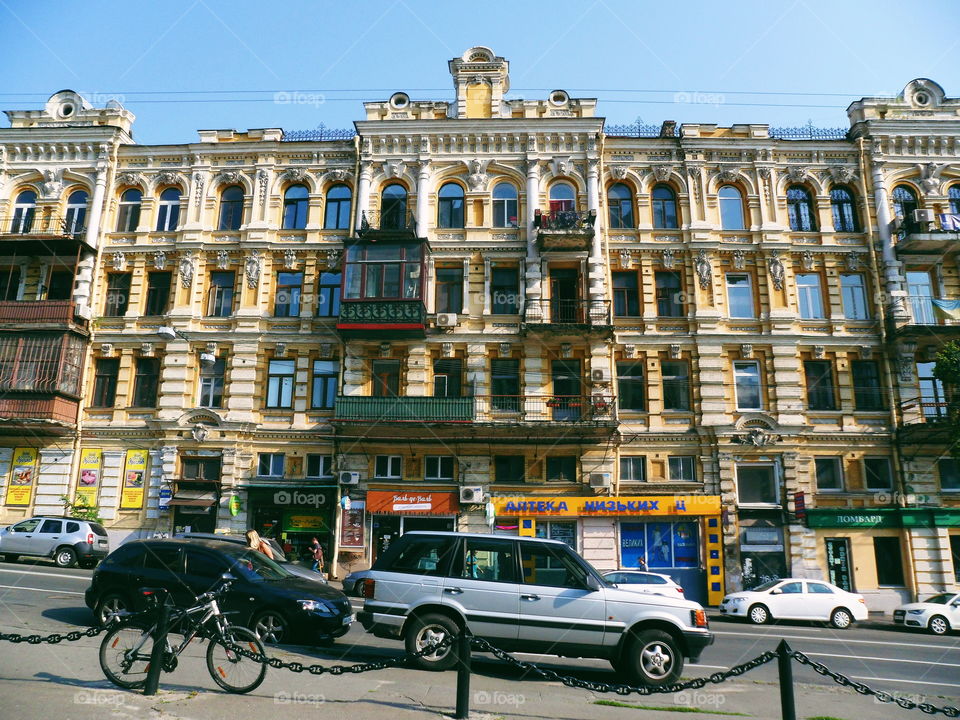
(88, 484)
(23, 470)
(134, 477)
(621, 505)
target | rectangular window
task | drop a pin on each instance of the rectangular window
(59, 285)
(105, 382)
(118, 294)
(319, 466)
(286, 301)
(866, 385)
(877, 474)
(949, 471)
(669, 293)
(809, 296)
(489, 560)
(10, 283)
(388, 467)
(211, 384)
(886, 553)
(505, 384)
(383, 271)
(505, 291)
(562, 468)
(158, 293)
(630, 395)
(270, 465)
(746, 378)
(438, 467)
(829, 473)
(626, 296)
(633, 468)
(757, 485)
(854, 292)
(328, 295)
(509, 469)
(324, 392)
(819, 379)
(676, 385)
(740, 296)
(220, 294)
(449, 290)
(447, 376)
(682, 468)
(280, 383)
(386, 378)
(145, 385)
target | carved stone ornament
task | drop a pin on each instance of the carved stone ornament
(727, 174)
(185, 268)
(251, 268)
(905, 368)
(695, 177)
(146, 349)
(160, 260)
(566, 350)
(746, 351)
(930, 177)
(662, 172)
(853, 260)
(477, 179)
(223, 259)
(295, 175)
(200, 432)
(625, 258)
(669, 258)
(739, 259)
(446, 349)
(505, 350)
(129, 178)
(333, 259)
(675, 351)
(280, 350)
(818, 351)
(808, 260)
(775, 266)
(384, 349)
(167, 177)
(263, 178)
(704, 270)
(756, 437)
(290, 258)
(393, 168)
(796, 174)
(866, 352)
(119, 261)
(337, 175)
(52, 184)
(326, 350)
(841, 174)
(227, 177)
(618, 172)
(562, 166)
(198, 195)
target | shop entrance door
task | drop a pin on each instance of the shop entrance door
(838, 562)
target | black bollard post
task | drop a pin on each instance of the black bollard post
(156, 654)
(462, 648)
(788, 709)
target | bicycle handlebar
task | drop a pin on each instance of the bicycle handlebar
(216, 592)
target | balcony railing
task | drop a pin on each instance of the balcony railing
(36, 311)
(376, 312)
(545, 409)
(53, 407)
(569, 312)
(45, 226)
(404, 409)
(395, 221)
(565, 230)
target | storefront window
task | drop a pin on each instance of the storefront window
(562, 530)
(659, 545)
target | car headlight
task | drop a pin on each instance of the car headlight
(915, 612)
(736, 601)
(315, 606)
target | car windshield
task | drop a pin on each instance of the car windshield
(254, 566)
(941, 599)
(766, 586)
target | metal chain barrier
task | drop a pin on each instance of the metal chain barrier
(880, 695)
(51, 639)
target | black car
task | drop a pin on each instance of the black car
(278, 555)
(266, 598)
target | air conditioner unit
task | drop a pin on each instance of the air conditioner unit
(446, 319)
(472, 494)
(599, 375)
(924, 215)
(599, 480)
(349, 478)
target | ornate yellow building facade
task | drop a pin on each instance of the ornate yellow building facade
(706, 349)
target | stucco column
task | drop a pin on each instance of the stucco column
(891, 268)
(363, 190)
(593, 203)
(84, 273)
(423, 207)
(532, 275)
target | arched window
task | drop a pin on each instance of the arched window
(129, 216)
(620, 200)
(393, 207)
(731, 208)
(904, 203)
(505, 205)
(450, 210)
(231, 208)
(563, 198)
(664, 207)
(800, 209)
(295, 207)
(23, 210)
(843, 210)
(76, 218)
(168, 214)
(954, 195)
(336, 214)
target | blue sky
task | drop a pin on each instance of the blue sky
(720, 62)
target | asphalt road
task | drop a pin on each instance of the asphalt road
(40, 598)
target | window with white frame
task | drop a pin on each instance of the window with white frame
(270, 465)
(740, 296)
(853, 290)
(829, 472)
(809, 296)
(633, 468)
(319, 466)
(388, 467)
(746, 378)
(438, 467)
(682, 468)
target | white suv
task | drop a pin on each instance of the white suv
(525, 594)
(66, 540)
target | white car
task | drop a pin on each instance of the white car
(645, 582)
(796, 599)
(938, 614)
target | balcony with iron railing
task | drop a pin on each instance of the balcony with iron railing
(35, 233)
(924, 313)
(565, 230)
(397, 224)
(397, 408)
(568, 315)
(935, 236)
(382, 318)
(40, 413)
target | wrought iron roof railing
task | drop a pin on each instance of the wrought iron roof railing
(319, 133)
(808, 132)
(637, 129)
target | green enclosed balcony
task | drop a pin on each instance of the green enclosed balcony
(383, 318)
(353, 408)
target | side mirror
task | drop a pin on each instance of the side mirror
(593, 585)
(776, 591)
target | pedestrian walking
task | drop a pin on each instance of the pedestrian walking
(255, 542)
(316, 551)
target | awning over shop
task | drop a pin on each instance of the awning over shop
(401, 502)
(193, 498)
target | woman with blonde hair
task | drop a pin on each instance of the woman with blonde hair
(255, 542)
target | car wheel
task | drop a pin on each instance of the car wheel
(938, 625)
(428, 630)
(841, 618)
(759, 615)
(109, 608)
(65, 557)
(270, 626)
(652, 658)
(10, 558)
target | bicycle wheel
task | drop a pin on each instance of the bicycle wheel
(125, 656)
(232, 671)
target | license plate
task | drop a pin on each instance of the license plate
(102, 543)
(347, 619)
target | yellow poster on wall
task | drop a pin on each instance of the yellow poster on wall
(23, 471)
(134, 477)
(88, 484)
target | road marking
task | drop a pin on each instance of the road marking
(883, 659)
(53, 575)
(46, 590)
(829, 639)
(710, 667)
(909, 682)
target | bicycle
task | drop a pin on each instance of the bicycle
(125, 651)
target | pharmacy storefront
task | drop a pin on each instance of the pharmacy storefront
(676, 535)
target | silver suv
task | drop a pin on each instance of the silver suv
(67, 541)
(525, 594)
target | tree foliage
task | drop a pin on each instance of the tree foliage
(80, 509)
